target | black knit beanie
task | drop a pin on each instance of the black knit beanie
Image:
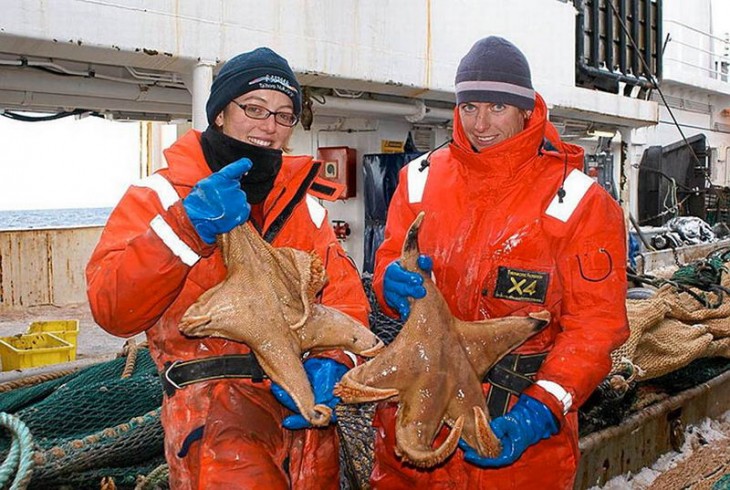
(495, 70)
(261, 68)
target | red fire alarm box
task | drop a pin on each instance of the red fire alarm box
(338, 165)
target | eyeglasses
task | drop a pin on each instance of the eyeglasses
(257, 112)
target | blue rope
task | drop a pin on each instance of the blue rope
(20, 457)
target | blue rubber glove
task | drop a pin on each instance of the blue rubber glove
(527, 423)
(399, 284)
(216, 204)
(323, 374)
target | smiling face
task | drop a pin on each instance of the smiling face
(267, 133)
(487, 124)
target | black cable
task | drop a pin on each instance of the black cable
(427, 161)
(52, 117)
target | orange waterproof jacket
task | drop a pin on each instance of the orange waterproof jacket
(503, 244)
(150, 266)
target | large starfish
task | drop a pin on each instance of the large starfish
(267, 302)
(434, 369)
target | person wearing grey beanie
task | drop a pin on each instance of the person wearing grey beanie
(495, 70)
(226, 424)
(512, 227)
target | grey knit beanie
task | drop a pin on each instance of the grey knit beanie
(261, 68)
(495, 70)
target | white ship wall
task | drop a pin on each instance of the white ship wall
(408, 49)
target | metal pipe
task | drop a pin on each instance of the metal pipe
(699, 31)
(337, 105)
(636, 68)
(595, 33)
(609, 38)
(51, 91)
(202, 81)
(41, 82)
(22, 100)
(658, 47)
(622, 38)
(641, 82)
(647, 36)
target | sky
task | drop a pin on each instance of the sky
(66, 163)
(90, 162)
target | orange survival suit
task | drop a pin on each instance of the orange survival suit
(503, 243)
(150, 266)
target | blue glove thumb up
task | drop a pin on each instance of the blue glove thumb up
(216, 204)
(323, 374)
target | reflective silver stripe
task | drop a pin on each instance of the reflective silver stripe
(417, 179)
(173, 242)
(558, 392)
(576, 186)
(164, 189)
(508, 88)
(316, 211)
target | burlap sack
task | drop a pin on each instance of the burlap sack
(673, 329)
(643, 314)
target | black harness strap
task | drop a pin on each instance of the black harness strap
(510, 376)
(278, 223)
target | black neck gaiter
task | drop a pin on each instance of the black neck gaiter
(220, 150)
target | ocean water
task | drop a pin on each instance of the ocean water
(52, 218)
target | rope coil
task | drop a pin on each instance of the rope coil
(20, 458)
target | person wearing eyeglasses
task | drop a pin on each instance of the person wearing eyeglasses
(224, 427)
(512, 226)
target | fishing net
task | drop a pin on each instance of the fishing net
(354, 422)
(357, 435)
(708, 469)
(672, 329)
(92, 424)
(680, 337)
(381, 324)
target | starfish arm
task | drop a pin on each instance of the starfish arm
(411, 250)
(328, 328)
(351, 391)
(487, 341)
(486, 444)
(284, 367)
(421, 455)
(196, 320)
(468, 400)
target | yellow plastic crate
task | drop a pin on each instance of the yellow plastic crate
(33, 350)
(68, 330)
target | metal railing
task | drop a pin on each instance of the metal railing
(710, 56)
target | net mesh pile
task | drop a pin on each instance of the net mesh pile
(679, 338)
(671, 330)
(709, 469)
(92, 424)
(381, 324)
